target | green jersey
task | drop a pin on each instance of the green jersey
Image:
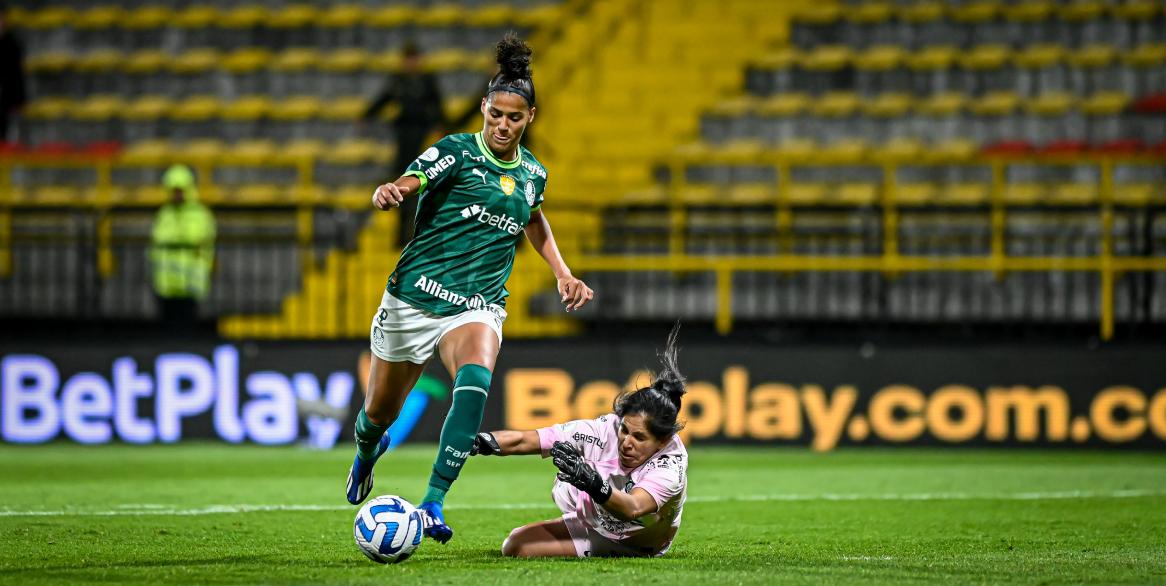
(470, 217)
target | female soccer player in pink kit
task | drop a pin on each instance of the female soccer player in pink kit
(622, 477)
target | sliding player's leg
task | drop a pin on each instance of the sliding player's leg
(542, 539)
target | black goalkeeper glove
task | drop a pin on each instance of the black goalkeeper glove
(574, 471)
(485, 445)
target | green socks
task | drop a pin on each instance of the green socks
(368, 435)
(470, 388)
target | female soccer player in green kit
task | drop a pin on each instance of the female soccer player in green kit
(479, 193)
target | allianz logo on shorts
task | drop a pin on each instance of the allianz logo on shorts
(432, 287)
(502, 222)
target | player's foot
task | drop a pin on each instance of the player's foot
(360, 475)
(435, 526)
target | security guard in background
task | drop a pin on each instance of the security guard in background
(182, 250)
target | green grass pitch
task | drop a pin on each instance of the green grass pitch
(219, 514)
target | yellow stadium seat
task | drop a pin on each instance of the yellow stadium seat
(915, 194)
(342, 16)
(958, 149)
(538, 16)
(98, 108)
(146, 153)
(751, 193)
(55, 62)
(1136, 9)
(783, 105)
(818, 13)
(243, 17)
(195, 16)
(195, 61)
(932, 58)
(888, 105)
(344, 109)
(98, 18)
(48, 108)
(200, 152)
(942, 104)
(783, 58)
(491, 15)
(827, 58)
(962, 194)
(1024, 194)
(870, 12)
(1051, 104)
(145, 62)
(835, 104)
(1147, 55)
(449, 59)
(441, 15)
(903, 149)
(975, 12)
(1105, 103)
(995, 104)
(392, 16)
(246, 108)
(295, 60)
(256, 194)
(1038, 56)
(880, 58)
(147, 17)
(197, 108)
(921, 12)
(246, 60)
(98, 61)
(1133, 194)
(985, 57)
(52, 17)
(296, 108)
(805, 194)
(298, 152)
(148, 108)
(293, 16)
(344, 60)
(1072, 194)
(1092, 56)
(1029, 11)
(385, 61)
(1081, 11)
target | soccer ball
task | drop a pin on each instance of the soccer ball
(388, 529)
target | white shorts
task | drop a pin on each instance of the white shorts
(590, 544)
(401, 332)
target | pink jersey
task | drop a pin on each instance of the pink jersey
(664, 475)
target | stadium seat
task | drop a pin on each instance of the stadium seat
(292, 72)
(193, 118)
(244, 116)
(342, 73)
(144, 27)
(245, 72)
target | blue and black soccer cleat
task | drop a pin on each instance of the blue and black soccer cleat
(360, 475)
(435, 526)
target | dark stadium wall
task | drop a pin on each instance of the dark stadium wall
(821, 397)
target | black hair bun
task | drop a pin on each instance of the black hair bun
(513, 56)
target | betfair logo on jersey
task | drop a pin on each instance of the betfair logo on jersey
(502, 222)
(535, 169)
(441, 165)
(507, 183)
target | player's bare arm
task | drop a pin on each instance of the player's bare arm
(390, 195)
(575, 293)
(506, 443)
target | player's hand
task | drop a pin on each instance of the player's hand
(575, 292)
(575, 471)
(387, 196)
(485, 445)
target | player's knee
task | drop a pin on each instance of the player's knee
(512, 545)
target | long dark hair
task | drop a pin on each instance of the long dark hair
(660, 401)
(513, 56)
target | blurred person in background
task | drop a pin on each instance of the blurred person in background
(622, 478)
(478, 194)
(12, 96)
(182, 250)
(418, 96)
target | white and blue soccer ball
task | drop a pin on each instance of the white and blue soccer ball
(388, 529)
